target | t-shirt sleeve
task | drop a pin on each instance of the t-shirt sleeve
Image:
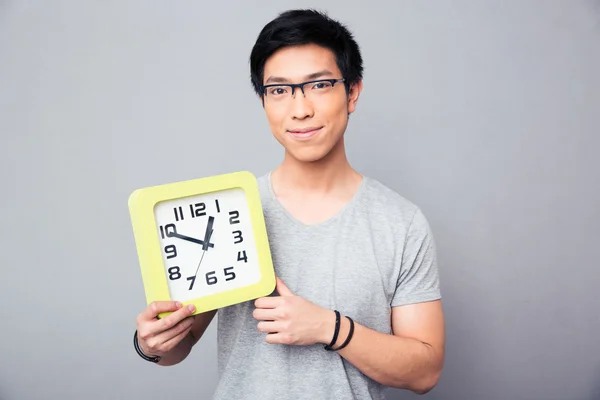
(418, 279)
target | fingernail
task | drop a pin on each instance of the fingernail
(191, 307)
(178, 304)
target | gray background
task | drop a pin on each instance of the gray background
(484, 113)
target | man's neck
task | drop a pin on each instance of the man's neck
(331, 175)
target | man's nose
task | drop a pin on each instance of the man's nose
(302, 107)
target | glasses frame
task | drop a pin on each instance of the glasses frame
(301, 85)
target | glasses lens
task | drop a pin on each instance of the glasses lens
(320, 86)
(277, 92)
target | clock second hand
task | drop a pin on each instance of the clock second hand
(203, 252)
(197, 268)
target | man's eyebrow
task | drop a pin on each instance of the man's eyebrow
(309, 77)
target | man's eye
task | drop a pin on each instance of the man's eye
(277, 90)
(321, 85)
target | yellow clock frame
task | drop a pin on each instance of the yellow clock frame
(141, 208)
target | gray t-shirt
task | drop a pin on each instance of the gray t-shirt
(376, 253)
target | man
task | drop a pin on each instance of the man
(358, 306)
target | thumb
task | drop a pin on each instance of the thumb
(282, 289)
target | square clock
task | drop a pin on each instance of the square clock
(203, 241)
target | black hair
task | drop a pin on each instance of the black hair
(300, 27)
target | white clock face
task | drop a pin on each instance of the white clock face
(207, 244)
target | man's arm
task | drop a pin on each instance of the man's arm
(411, 358)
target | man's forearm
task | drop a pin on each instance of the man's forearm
(391, 360)
(179, 352)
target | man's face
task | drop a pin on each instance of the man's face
(322, 111)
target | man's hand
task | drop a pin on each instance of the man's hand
(158, 336)
(290, 319)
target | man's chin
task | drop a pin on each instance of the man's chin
(309, 155)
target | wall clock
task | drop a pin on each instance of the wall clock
(203, 241)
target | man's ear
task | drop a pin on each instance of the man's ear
(353, 95)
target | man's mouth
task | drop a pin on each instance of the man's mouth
(305, 132)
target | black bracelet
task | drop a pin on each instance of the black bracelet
(349, 335)
(136, 344)
(335, 332)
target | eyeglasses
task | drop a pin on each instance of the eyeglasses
(280, 92)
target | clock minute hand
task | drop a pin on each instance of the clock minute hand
(208, 233)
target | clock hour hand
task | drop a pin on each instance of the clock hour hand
(190, 239)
